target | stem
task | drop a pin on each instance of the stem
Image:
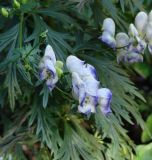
(122, 46)
(66, 94)
(21, 31)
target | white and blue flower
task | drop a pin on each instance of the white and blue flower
(48, 69)
(85, 85)
(108, 33)
(104, 100)
(141, 22)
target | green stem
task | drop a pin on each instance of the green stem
(64, 93)
(21, 31)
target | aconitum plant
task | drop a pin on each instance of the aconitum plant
(63, 96)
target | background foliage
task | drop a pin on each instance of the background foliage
(44, 125)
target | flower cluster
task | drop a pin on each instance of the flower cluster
(85, 87)
(50, 69)
(85, 84)
(130, 47)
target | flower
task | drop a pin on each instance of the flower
(104, 100)
(85, 85)
(50, 68)
(108, 33)
(85, 92)
(141, 22)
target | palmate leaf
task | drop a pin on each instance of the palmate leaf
(57, 14)
(111, 128)
(9, 38)
(54, 38)
(12, 84)
(79, 143)
(46, 126)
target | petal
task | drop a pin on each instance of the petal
(133, 57)
(122, 39)
(74, 64)
(91, 85)
(150, 16)
(51, 82)
(141, 22)
(50, 53)
(50, 67)
(89, 70)
(121, 55)
(150, 47)
(109, 26)
(104, 100)
(43, 74)
(141, 45)
(108, 39)
(132, 30)
(149, 31)
(86, 108)
(78, 87)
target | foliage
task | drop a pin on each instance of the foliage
(35, 122)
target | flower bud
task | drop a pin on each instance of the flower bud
(16, 4)
(132, 30)
(59, 72)
(4, 12)
(59, 64)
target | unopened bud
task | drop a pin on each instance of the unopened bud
(4, 12)
(16, 4)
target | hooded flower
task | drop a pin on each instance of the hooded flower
(84, 84)
(141, 22)
(48, 67)
(108, 33)
(85, 92)
(104, 99)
